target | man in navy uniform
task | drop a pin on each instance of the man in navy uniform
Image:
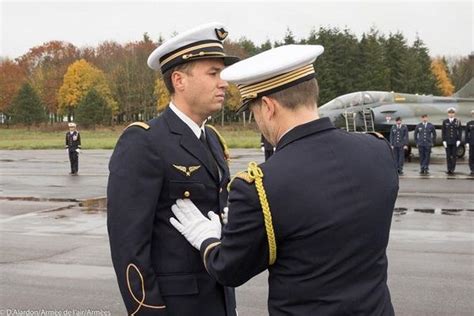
(425, 138)
(317, 214)
(451, 133)
(173, 156)
(470, 142)
(399, 142)
(73, 147)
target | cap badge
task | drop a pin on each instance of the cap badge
(221, 33)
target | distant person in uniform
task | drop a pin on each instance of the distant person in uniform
(451, 133)
(317, 214)
(470, 142)
(399, 142)
(73, 147)
(173, 156)
(266, 147)
(425, 138)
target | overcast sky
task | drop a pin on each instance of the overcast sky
(446, 27)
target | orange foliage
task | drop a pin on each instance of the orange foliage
(12, 76)
(443, 82)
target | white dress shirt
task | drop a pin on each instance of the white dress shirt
(189, 122)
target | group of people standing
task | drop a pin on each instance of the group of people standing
(425, 139)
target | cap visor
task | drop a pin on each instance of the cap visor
(243, 107)
(229, 60)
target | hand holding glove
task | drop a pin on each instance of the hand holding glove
(194, 226)
(458, 143)
(78, 151)
(262, 149)
(445, 145)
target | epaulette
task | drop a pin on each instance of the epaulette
(376, 134)
(244, 175)
(225, 149)
(143, 125)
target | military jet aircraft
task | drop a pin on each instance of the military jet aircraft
(377, 110)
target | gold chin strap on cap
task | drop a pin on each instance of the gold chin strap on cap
(140, 302)
(256, 173)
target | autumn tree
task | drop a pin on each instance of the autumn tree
(93, 110)
(80, 77)
(133, 82)
(12, 76)
(440, 72)
(162, 95)
(27, 107)
(46, 65)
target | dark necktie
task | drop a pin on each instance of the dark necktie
(212, 160)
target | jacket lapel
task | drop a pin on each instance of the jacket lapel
(217, 153)
(188, 141)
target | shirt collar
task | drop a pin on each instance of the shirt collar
(189, 122)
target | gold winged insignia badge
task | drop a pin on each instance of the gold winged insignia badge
(187, 170)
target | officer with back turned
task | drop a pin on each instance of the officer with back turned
(317, 214)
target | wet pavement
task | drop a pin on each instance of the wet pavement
(54, 253)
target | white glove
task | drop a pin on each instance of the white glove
(445, 145)
(78, 151)
(194, 226)
(67, 151)
(467, 146)
(458, 143)
(262, 149)
(225, 215)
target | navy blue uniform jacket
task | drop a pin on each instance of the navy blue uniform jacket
(149, 170)
(331, 196)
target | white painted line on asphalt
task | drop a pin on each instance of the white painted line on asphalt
(13, 218)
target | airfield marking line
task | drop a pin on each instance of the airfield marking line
(31, 214)
(6, 220)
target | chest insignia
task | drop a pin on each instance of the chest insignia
(187, 170)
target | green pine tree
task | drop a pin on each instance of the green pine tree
(27, 107)
(418, 76)
(374, 73)
(396, 52)
(92, 110)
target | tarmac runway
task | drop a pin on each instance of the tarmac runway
(54, 252)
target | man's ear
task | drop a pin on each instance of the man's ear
(178, 79)
(269, 107)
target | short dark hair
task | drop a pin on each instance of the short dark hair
(186, 68)
(398, 119)
(303, 94)
(424, 115)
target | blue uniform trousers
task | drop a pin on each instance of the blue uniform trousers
(399, 155)
(451, 157)
(425, 154)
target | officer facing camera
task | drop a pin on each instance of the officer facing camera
(73, 148)
(175, 155)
